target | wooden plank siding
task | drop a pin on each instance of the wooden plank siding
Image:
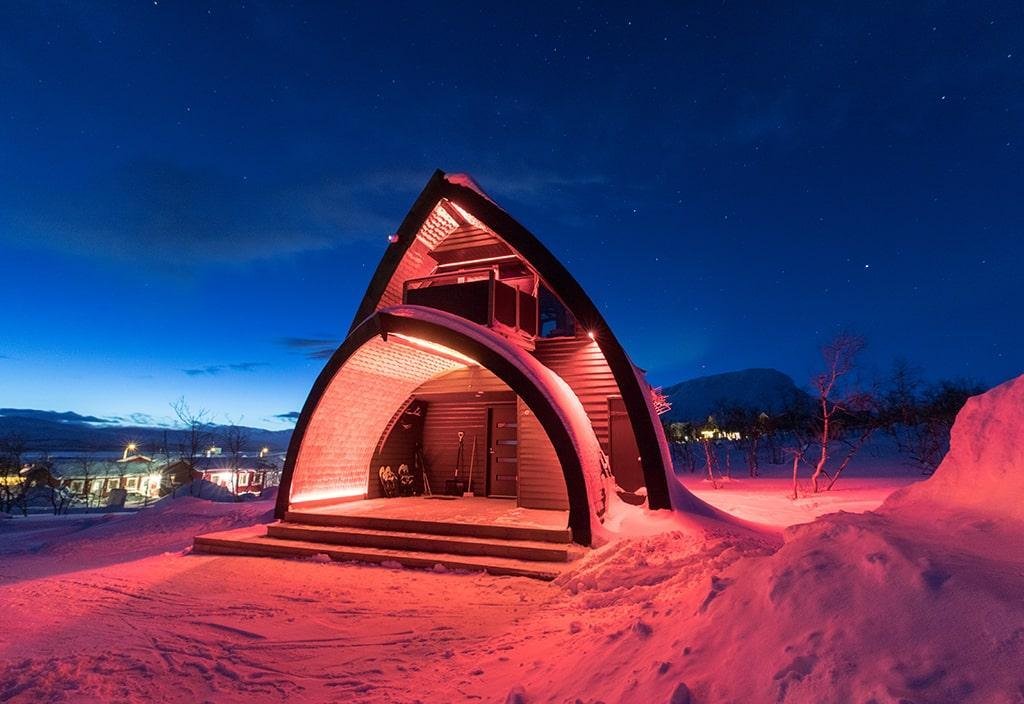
(466, 379)
(541, 482)
(581, 363)
(454, 405)
(441, 428)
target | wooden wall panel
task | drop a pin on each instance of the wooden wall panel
(465, 379)
(541, 482)
(579, 361)
(582, 364)
(444, 420)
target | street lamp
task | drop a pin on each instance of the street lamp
(130, 447)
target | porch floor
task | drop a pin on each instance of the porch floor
(468, 510)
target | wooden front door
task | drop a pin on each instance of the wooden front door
(624, 453)
(503, 450)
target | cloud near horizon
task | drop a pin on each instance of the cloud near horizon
(311, 347)
(215, 369)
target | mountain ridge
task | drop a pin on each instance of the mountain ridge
(760, 389)
(50, 431)
(693, 400)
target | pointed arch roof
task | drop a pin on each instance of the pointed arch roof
(465, 194)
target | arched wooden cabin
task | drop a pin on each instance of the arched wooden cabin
(472, 329)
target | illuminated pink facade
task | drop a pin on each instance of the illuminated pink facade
(475, 351)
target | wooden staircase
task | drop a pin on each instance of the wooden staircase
(524, 551)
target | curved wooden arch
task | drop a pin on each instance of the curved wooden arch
(654, 457)
(429, 325)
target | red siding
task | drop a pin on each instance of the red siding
(582, 364)
(579, 361)
(417, 261)
(441, 428)
(466, 379)
(450, 409)
(541, 482)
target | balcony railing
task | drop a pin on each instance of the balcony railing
(477, 295)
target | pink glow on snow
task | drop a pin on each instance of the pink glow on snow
(467, 181)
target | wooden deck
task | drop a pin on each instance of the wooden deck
(469, 533)
(469, 516)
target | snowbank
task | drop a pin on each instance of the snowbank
(983, 472)
(907, 604)
(911, 603)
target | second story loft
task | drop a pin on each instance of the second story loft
(472, 272)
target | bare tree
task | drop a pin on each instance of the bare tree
(797, 449)
(862, 418)
(681, 437)
(196, 424)
(936, 412)
(752, 427)
(61, 497)
(12, 483)
(84, 464)
(707, 442)
(236, 440)
(840, 357)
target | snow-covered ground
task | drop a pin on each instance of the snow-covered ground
(766, 500)
(919, 601)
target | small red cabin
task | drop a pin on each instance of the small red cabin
(476, 363)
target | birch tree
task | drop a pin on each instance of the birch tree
(840, 356)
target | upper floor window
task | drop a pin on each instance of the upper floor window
(555, 318)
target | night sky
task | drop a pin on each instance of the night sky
(187, 193)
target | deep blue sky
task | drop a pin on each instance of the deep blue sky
(183, 186)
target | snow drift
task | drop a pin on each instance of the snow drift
(983, 472)
(908, 604)
(919, 602)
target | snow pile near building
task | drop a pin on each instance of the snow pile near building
(983, 472)
(890, 606)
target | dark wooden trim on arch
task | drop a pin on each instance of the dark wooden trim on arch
(541, 406)
(562, 285)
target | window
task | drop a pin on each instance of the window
(555, 318)
(133, 483)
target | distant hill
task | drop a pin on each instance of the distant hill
(51, 431)
(767, 390)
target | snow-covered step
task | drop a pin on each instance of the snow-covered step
(423, 542)
(410, 525)
(256, 544)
